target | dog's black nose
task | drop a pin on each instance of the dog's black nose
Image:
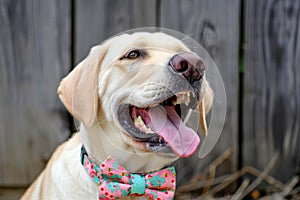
(188, 65)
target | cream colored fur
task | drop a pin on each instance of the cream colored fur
(92, 93)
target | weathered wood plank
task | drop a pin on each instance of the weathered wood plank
(98, 20)
(272, 85)
(215, 25)
(34, 55)
(11, 193)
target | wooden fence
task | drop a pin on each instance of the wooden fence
(255, 44)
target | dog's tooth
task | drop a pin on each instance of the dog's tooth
(160, 139)
(187, 117)
(149, 130)
(139, 123)
(182, 97)
(187, 100)
(175, 102)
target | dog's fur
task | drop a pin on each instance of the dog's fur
(92, 93)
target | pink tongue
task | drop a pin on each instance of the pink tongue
(183, 140)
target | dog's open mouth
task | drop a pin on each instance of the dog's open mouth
(161, 126)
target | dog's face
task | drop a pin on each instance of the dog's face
(144, 86)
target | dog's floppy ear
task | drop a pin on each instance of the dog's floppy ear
(204, 107)
(79, 90)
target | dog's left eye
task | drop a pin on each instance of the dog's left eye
(133, 54)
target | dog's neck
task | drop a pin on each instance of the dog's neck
(105, 140)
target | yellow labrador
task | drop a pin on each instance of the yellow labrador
(131, 95)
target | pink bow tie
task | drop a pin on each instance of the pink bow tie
(115, 182)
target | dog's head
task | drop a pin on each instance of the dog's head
(143, 85)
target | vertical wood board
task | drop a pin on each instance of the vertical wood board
(34, 56)
(272, 85)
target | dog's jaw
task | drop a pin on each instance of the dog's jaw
(98, 141)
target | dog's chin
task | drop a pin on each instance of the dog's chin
(144, 147)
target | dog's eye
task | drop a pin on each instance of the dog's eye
(133, 54)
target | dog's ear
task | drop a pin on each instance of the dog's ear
(205, 106)
(79, 90)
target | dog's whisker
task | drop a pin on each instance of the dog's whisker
(187, 117)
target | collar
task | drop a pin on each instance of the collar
(86, 161)
(116, 182)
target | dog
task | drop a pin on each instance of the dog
(131, 94)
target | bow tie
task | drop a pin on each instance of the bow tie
(115, 182)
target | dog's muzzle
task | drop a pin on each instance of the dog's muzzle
(161, 125)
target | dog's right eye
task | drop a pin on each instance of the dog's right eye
(134, 54)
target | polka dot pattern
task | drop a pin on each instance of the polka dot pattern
(115, 182)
